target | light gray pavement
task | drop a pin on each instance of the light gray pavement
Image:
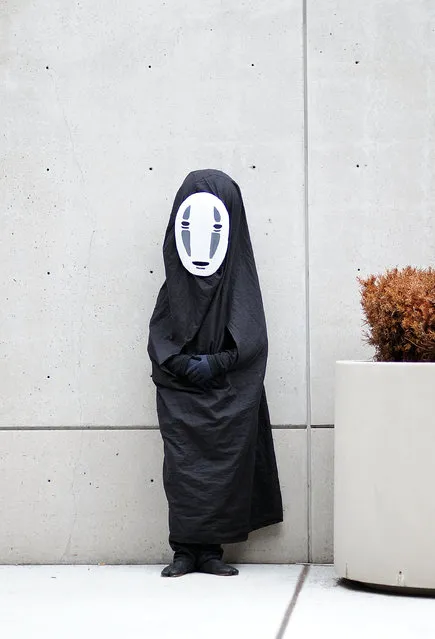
(132, 602)
(327, 609)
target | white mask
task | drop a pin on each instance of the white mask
(202, 227)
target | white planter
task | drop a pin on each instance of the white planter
(385, 473)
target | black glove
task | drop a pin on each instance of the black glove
(198, 371)
(177, 364)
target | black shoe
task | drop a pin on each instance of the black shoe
(218, 567)
(179, 567)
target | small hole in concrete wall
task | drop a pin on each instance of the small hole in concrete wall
(152, 481)
(48, 376)
(149, 66)
(151, 168)
(46, 67)
(151, 272)
(357, 166)
(48, 169)
(358, 269)
(49, 480)
(253, 166)
(252, 65)
(117, 454)
(356, 61)
(48, 272)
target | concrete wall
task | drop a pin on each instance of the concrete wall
(105, 108)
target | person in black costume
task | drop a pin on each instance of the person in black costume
(208, 348)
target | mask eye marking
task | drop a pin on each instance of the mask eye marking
(186, 214)
(185, 236)
(214, 243)
(217, 215)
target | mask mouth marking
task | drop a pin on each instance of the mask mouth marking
(201, 264)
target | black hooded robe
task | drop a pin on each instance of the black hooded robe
(219, 474)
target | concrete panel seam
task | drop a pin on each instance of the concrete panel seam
(289, 426)
(317, 426)
(8, 429)
(118, 428)
(307, 273)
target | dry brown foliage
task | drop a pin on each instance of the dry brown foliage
(399, 307)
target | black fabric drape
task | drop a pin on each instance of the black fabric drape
(220, 473)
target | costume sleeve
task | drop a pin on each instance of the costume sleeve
(221, 363)
(177, 364)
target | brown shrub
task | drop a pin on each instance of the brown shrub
(399, 307)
